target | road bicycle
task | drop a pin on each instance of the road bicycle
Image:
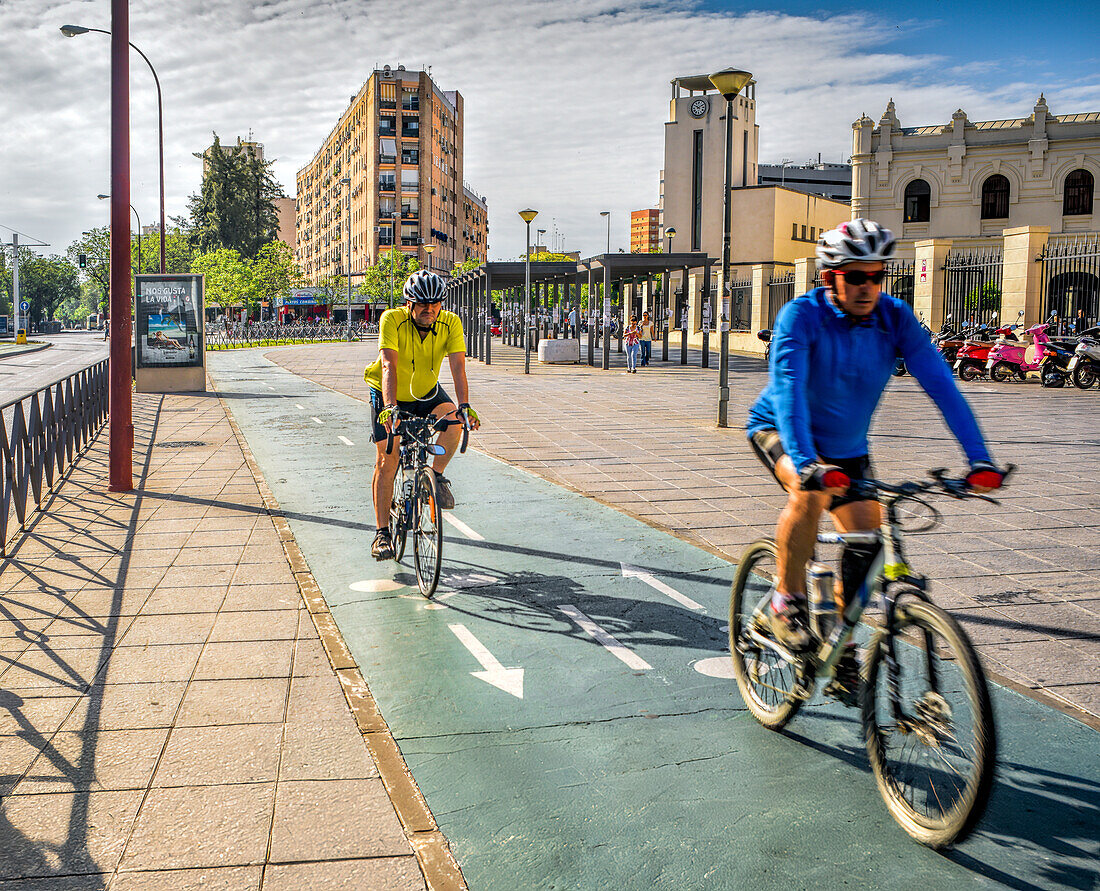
(415, 505)
(925, 706)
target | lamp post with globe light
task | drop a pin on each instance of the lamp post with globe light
(670, 233)
(527, 216)
(729, 82)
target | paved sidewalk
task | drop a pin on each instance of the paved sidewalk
(1021, 577)
(170, 716)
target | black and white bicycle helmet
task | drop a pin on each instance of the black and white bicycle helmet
(425, 287)
(857, 241)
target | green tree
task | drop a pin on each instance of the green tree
(547, 257)
(235, 207)
(984, 299)
(274, 271)
(46, 283)
(229, 282)
(178, 252)
(464, 267)
(391, 270)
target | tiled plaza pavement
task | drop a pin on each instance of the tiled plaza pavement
(1024, 578)
(169, 717)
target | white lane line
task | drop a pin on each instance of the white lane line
(318, 421)
(633, 572)
(459, 525)
(510, 680)
(299, 407)
(270, 387)
(605, 640)
(345, 440)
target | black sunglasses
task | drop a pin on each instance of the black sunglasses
(858, 277)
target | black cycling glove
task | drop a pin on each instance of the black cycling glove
(816, 477)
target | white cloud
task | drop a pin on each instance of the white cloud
(565, 101)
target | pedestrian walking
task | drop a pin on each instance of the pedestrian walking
(646, 336)
(631, 339)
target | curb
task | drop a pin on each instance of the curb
(437, 863)
(32, 347)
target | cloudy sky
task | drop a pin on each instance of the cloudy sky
(565, 99)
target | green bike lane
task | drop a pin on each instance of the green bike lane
(565, 705)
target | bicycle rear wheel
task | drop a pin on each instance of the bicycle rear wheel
(427, 533)
(398, 528)
(767, 682)
(934, 762)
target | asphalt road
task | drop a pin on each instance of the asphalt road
(562, 703)
(24, 373)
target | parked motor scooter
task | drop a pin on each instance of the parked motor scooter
(766, 336)
(1013, 360)
(1084, 367)
(899, 363)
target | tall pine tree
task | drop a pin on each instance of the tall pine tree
(235, 208)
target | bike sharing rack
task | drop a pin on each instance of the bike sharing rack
(169, 337)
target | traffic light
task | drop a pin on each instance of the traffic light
(82, 260)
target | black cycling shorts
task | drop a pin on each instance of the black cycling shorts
(421, 408)
(769, 449)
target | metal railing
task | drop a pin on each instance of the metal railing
(900, 281)
(1070, 278)
(780, 292)
(274, 334)
(740, 304)
(42, 434)
(972, 285)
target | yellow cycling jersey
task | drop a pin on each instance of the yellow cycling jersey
(419, 360)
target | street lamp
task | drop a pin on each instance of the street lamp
(607, 214)
(729, 82)
(539, 241)
(429, 249)
(670, 233)
(72, 31)
(134, 209)
(527, 216)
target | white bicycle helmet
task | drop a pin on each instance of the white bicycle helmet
(425, 287)
(857, 241)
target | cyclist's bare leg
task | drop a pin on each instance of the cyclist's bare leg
(385, 469)
(448, 438)
(796, 532)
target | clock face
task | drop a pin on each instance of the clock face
(699, 107)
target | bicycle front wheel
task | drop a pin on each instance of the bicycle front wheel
(766, 680)
(398, 527)
(427, 533)
(933, 752)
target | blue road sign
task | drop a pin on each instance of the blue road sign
(24, 306)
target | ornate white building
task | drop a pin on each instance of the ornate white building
(966, 179)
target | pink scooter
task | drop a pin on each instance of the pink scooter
(1010, 360)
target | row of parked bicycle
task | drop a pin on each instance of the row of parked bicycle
(1001, 354)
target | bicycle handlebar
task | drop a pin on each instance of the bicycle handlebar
(940, 482)
(436, 424)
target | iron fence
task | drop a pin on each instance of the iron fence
(780, 291)
(274, 334)
(42, 434)
(740, 304)
(1070, 277)
(900, 281)
(972, 286)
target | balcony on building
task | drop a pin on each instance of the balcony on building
(387, 151)
(410, 100)
(410, 180)
(410, 156)
(387, 126)
(410, 210)
(410, 128)
(387, 183)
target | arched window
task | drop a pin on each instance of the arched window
(918, 202)
(995, 197)
(1078, 195)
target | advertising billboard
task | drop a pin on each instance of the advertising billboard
(169, 322)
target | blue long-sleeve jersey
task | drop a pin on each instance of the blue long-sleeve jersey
(828, 370)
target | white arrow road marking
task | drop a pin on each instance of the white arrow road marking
(633, 572)
(510, 680)
(461, 527)
(318, 421)
(299, 407)
(605, 640)
(345, 440)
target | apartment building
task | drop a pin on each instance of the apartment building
(475, 226)
(645, 230)
(394, 159)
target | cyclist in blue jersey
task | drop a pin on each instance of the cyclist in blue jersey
(832, 354)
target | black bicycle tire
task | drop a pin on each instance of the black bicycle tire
(398, 532)
(772, 718)
(427, 576)
(962, 819)
(1084, 371)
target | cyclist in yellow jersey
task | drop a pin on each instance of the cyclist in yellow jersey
(413, 341)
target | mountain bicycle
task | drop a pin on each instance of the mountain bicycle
(415, 505)
(925, 705)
